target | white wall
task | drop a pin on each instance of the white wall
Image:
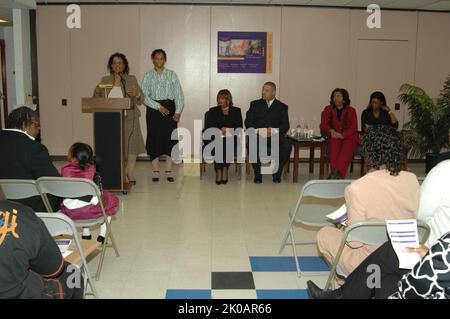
(22, 54)
(6, 33)
(315, 50)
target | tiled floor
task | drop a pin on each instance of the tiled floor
(194, 239)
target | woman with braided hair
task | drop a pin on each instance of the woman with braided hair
(383, 193)
(340, 123)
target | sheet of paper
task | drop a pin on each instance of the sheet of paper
(66, 253)
(339, 216)
(63, 244)
(403, 234)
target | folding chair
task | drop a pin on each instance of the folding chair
(371, 232)
(66, 187)
(59, 224)
(313, 214)
(19, 188)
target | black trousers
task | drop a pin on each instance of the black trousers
(356, 285)
(227, 158)
(285, 147)
(159, 130)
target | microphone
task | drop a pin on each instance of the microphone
(122, 82)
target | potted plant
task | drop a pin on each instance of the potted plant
(427, 131)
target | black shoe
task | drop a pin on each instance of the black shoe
(257, 180)
(155, 179)
(169, 178)
(101, 239)
(317, 293)
(276, 180)
(218, 182)
(333, 175)
(89, 237)
(224, 182)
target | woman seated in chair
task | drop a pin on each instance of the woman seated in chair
(383, 193)
(225, 116)
(340, 124)
(81, 165)
(378, 113)
(434, 209)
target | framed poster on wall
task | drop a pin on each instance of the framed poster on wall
(244, 52)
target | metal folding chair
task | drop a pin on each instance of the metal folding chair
(66, 187)
(371, 232)
(59, 224)
(313, 214)
(19, 188)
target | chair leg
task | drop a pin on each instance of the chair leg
(88, 279)
(238, 170)
(294, 250)
(109, 234)
(286, 170)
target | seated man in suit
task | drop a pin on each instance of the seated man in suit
(23, 157)
(271, 114)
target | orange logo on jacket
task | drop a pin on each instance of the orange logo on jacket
(7, 226)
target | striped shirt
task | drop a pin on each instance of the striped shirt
(162, 87)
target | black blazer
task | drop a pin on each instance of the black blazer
(260, 115)
(216, 118)
(23, 158)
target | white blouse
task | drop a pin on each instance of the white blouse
(116, 92)
(434, 207)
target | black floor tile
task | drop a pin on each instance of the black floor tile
(232, 280)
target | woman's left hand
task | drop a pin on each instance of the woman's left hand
(176, 117)
(422, 250)
(386, 108)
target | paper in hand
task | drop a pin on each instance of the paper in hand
(339, 216)
(403, 234)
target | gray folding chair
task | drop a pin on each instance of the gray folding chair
(370, 232)
(60, 224)
(313, 214)
(19, 188)
(66, 187)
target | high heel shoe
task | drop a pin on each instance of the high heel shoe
(130, 180)
(155, 177)
(170, 179)
(225, 173)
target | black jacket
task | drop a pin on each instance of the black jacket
(216, 118)
(23, 158)
(260, 115)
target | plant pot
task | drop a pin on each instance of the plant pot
(430, 161)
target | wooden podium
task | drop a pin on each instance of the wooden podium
(109, 139)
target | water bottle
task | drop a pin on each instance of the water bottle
(299, 131)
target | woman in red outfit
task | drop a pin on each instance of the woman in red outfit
(340, 123)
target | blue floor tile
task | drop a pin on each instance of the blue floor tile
(282, 294)
(188, 294)
(286, 263)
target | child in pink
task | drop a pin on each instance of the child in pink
(81, 165)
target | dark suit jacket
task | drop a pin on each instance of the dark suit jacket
(23, 158)
(216, 118)
(260, 115)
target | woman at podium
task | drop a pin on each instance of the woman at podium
(164, 99)
(120, 84)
